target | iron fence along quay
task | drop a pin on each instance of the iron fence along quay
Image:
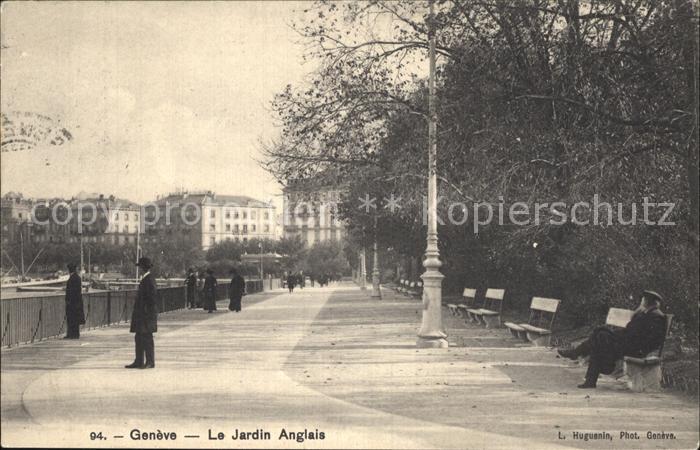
(32, 319)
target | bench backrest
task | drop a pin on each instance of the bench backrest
(494, 299)
(469, 295)
(619, 317)
(419, 284)
(543, 311)
(413, 284)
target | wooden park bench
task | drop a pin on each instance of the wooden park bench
(644, 374)
(538, 328)
(490, 313)
(416, 290)
(399, 287)
(460, 309)
(411, 287)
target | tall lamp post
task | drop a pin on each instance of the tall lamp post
(376, 289)
(431, 334)
(363, 270)
(262, 277)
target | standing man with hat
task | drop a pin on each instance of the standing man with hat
(144, 319)
(75, 314)
(191, 283)
(644, 333)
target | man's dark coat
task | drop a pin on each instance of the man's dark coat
(144, 319)
(75, 313)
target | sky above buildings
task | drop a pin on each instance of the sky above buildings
(156, 96)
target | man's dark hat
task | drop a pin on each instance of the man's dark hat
(145, 263)
(71, 267)
(653, 294)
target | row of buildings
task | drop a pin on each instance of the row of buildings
(203, 216)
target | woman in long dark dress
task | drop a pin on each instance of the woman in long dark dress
(210, 291)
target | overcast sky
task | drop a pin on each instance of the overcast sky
(157, 96)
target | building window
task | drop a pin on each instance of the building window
(212, 214)
(116, 217)
(212, 227)
(267, 228)
(236, 229)
(252, 228)
(228, 227)
(245, 229)
(126, 228)
(126, 216)
(253, 215)
(212, 240)
(237, 239)
(245, 214)
(235, 214)
(245, 239)
(228, 214)
(267, 215)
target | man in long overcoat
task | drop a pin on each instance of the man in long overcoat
(191, 283)
(75, 314)
(236, 291)
(644, 333)
(144, 319)
(210, 284)
(291, 281)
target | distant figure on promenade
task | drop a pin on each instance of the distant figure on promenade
(236, 291)
(302, 280)
(200, 290)
(210, 284)
(191, 283)
(643, 334)
(291, 281)
(144, 319)
(75, 314)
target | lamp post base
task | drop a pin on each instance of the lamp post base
(431, 342)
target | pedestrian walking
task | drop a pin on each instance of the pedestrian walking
(236, 291)
(75, 314)
(200, 290)
(191, 283)
(144, 319)
(291, 280)
(210, 284)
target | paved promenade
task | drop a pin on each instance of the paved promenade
(326, 359)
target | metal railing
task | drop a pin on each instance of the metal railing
(31, 319)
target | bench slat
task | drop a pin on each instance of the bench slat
(545, 304)
(488, 312)
(619, 317)
(648, 361)
(514, 326)
(496, 294)
(468, 292)
(532, 329)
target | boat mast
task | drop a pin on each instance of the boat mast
(138, 245)
(21, 252)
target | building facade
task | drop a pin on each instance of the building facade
(95, 218)
(15, 217)
(311, 213)
(208, 218)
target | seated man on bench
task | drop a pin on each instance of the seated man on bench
(643, 334)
